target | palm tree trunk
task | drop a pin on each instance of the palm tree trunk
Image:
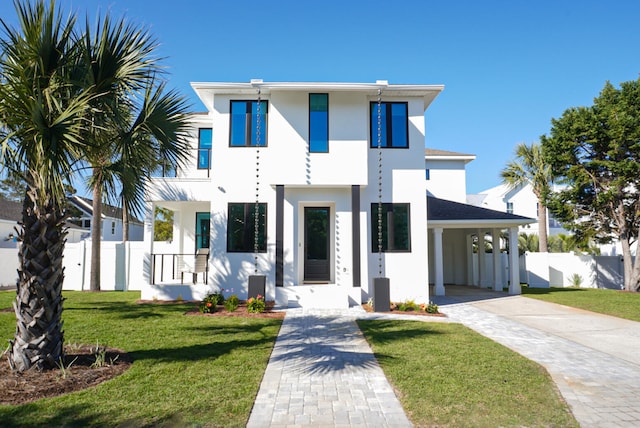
(39, 338)
(542, 228)
(96, 237)
(125, 221)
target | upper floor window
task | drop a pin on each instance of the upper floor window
(319, 123)
(205, 136)
(394, 125)
(428, 174)
(244, 123)
(509, 207)
(241, 225)
(395, 228)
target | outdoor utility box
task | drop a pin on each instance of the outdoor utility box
(381, 295)
(257, 284)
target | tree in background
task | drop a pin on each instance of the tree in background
(163, 224)
(528, 242)
(529, 167)
(12, 188)
(135, 121)
(595, 152)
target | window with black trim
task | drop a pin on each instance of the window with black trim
(244, 123)
(241, 227)
(203, 220)
(205, 137)
(394, 125)
(319, 123)
(396, 227)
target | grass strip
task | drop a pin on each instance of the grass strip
(187, 371)
(616, 303)
(448, 375)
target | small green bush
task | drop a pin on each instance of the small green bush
(231, 303)
(209, 303)
(408, 305)
(256, 305)
(432, 308)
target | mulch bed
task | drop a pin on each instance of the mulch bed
(241, 311)
(368, 308)
(79, 374)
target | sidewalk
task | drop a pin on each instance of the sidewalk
(323, 373)
(593, 359)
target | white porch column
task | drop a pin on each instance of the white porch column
(438, 260)
(482, 281)
(497, 261)
(514, 265)
(469, 251)
(149, 218)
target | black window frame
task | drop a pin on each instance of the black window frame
(327, 98)
(247, 238)
(248, 136)
(388, 137)
(205, 238)
(386, 208)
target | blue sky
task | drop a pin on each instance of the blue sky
(508, 67)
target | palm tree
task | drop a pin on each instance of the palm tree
(529, 168)
(42, 118)
(135, 121)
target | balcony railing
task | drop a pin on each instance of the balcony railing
(166, 169)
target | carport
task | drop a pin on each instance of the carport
(453, 228)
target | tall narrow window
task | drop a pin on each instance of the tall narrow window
(241, 225)
(244, 123)
(202, 229)
(205, 136)
(394, 125)
(319, 123)
(510, 207)
(395, 228)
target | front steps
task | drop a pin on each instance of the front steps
(316, 296)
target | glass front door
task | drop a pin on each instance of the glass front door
(317, 254)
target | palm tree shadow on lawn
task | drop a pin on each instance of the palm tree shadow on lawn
(324, 345)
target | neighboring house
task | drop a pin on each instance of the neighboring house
(111, 221)
(316, 177)
(519, 200)
(10, 215)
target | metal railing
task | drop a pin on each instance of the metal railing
(172, 267)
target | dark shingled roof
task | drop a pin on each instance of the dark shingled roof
(10, 210)
(441, 209)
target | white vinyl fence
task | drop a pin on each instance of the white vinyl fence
(559, 270)
(122, 266)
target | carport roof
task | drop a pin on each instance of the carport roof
(449, 214)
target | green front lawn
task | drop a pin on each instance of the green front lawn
(611, 302)
(449, 376)
(187, 371)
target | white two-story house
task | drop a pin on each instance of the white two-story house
(305, 157)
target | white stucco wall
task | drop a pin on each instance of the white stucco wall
(447, 179)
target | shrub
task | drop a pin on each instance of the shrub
(408, 305)
(231, 304)
(256, 305)
(209, 303)
(432, 308)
